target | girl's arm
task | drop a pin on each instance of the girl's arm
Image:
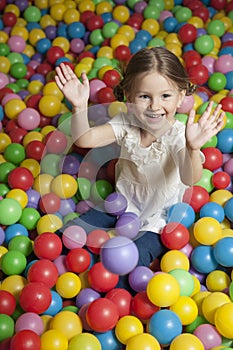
(197, 134)
(77, 94)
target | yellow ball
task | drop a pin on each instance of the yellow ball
(143, 341)
(121, 13)
(197, 101)
(127, 327)
(32, 165)
(168, 4)
(42, 184)
(174, 259)
(47, 129)
(13, 107)
(71, 15)
(163, 290)
(35, 86)
(48, 223)
(68, 285)
(88, 61)
(85, 341)
(3, 37)
(151, 25)
(220, 196)
(116, 107)
(32, 136)
(102, 7)
(53, 340)
(103, 70)
(199, 298)
(49, 105)
(35, 35)
(57, 11)
(117, 40)
(227, 232)
(46, 21)
(81, 68)
(12, 8)
(207, 230)
(127, 31)
(46, 321)
(19, 195)
(51, 88)
(186, 309)
(21, 31)
(14, 284)
(224, 320)
(68, 323)
(211, 304)
(197, 286)
(61, 42)
(86, 5)
(105, 51)
(29, 50)
(186, 341)
(217, 281)
(174, 48)
(5, 140)
(196, 22)
(64, 185)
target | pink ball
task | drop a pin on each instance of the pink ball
(29, 321)
(208, 335)
(60, 263)
(165, 14)
(95, 86)
(16, 43)
(186, 105)
(74, 237)
(209, 62)
(77, 45)
(4, 80)
(29, 118)
(224, 64)
(9, 97)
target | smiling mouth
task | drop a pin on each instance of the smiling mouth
(154, 116)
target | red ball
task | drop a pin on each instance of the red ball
(9, 19)
(187, 33)
(135, 20)
(198, 74)
(55, 142)
(102, 315)
(44, 271)
(49, 203)
(17, 135)
(192, 5)
(201, 12)
(196, 196)
(221, 180)
(85, 54)
(25, 340)
(4, 91)
(122, 299)
(88, 170)
(112, 78)
(35, 149)
(218, 4)
(94, 22)
(227, 104)
(78, 260)
(35, 297)
(85, 16)
(54, 53)
(105, 95)
(95, 239)
(174, 235)
(33, 101)
(2, 4)
(101, 279)
(213, 158)
(21, 178)
(45, 67)
(48, 246)
(192, 58)
(30, 72)
(142, 307)
(122, 53)
(7, 303)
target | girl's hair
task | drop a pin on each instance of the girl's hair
(149, 59)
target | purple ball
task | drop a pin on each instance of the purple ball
(140, 6)
(33, 198)
(51, 32)
(21, 4)
(77, 45)
(67, 206)
(139, 278)
(2, 235)
(119, 255)
(115, 204)
(84, 206)
(69, 165)
(85, 296)
(128, 225)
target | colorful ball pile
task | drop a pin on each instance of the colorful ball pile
(67, 291)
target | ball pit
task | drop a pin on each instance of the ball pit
(68, 291)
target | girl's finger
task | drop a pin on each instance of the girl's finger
(191, 117)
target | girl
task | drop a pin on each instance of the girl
(160, 156)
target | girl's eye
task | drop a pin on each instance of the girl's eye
(166, 95)
(145, 97)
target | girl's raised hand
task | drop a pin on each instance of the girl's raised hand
(208, 125)
(77, 93)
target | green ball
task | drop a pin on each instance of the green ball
(109, 29)
(4, 189)
(190, 328)
(159, 4)
(100, 190)
(5, 169)
(212, 142)
(154, 42)
(50, 164)
(13, 262)
(64, 123)
(151, 11)
(216, 27)
(204, 44)
(18, 70)
(84, 188)
(22, 83)
(183, 14)
(4, 49)
(71, 308)
(32, 14)
(181, 117)
(101, 62)
(15, 57)
(96, 37)
(217, 81)
(206, 180)
(29, 218)
(14, 87)
(14, 153)
(131, 3)
(93, 73)
(70, 216)
(7, 327)
(23, 244)
(10, 211)
(229, 121)
(185, 280)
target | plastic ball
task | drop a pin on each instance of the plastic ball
(203, 259)
(127, 327)
(21, 178)
(101, 279)
(163, 290)
(29, 321)
(165, 325)
(213, 210)
(174, 259)
(26, 339)
(207, 230)
(122, 298)
(196, 196)
(49, 203)
(142, 342)
(85, 341)
(35, 297)
(78, 260)
(102, 315)
(223, 64)
(74, 237)
(68, 285)
(223, 320)
(182, 213)
(187, 33)
(186, 309)
(44, 271)
(187, 341)
(48, 223)
(128, 225)
(64, 185)
(217, 281)
(7, 303)
(119, 255)
(228, 209)
(142, 307)
(19, 195)
(213, 158)
(10, 211)
(21, 244)
(14, 153)
(68, 323)
(55, 339)
(95, 239)
(217, 81)
(204, 44)
(223, 251)
(216, 27)
(220, 196)
(174, 235)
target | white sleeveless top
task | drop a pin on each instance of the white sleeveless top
(148, 176)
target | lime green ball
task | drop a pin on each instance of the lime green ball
(229, 121)
(131, 3)
(93, 73)
(23, 244)
(181, 117)
(154, 42)
(101, 62)
(84, 188)
(109, 29)
(70, 216)
(29, 218)
(5, 169)
(217, 81)
(4, 189)
(96, 37)
(216, 27)
(157, 3)
(7, 327)
(206, 180)
(14, 153)
(100, 190)
(151, 12)
(211, 143)
(204, 44)
(18, 70)
(22, 83)
(15, 57)
(32, 14)
(190, 328)
(13, 262)
(4, 49)
(50, 164)
(10, 211)
(183, 14)
(14, 87)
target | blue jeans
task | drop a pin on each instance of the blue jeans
(148, 243)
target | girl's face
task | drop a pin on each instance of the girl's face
(156, 100)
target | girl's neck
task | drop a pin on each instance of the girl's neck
(146, 138)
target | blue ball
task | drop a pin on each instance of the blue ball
(55, 305)
(169, 24)
(165, 325)
(143, 35)
(182, 213)
(43, 45)
(213, 210)
(108, 340)
(223, 251)
(136, 45)
(227, 50)
(225, 140)
(62, 30)
(76, 30)
(228, 209)
(203, 259)
(15, 230)
(107, 17)
(229, 84)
